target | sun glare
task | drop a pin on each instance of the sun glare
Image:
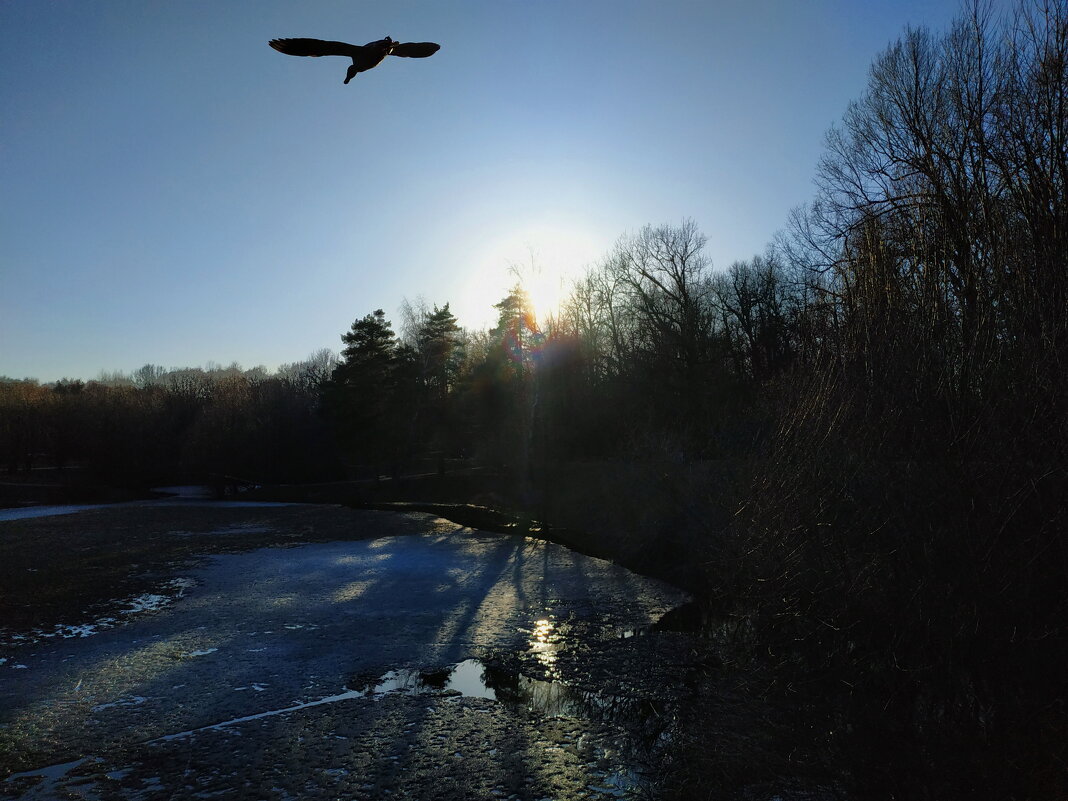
(544, 258)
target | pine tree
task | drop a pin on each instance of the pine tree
(440, 350)
(370, 346)
(371, 390)
(517, 333)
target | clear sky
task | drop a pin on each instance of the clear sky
(175, 192)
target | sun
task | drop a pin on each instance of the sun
(544, 258)
(546, 288)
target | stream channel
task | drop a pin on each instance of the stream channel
(438, 663)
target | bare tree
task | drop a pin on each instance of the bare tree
(666, 274)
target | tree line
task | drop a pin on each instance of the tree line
(160, 424)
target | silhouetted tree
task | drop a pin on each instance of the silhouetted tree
(440, 351)
(896, 528)
(497, 387)
(755, 309)
(371, 390)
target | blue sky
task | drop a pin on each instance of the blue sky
(173, 191)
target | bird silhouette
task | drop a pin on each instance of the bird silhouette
(364, 57)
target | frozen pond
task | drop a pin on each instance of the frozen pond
(343, 669)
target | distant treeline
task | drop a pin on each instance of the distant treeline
(160, 424)
(887, 382)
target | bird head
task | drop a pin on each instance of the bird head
(387, 44)
(350, 73)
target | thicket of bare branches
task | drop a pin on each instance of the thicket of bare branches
(909, 524)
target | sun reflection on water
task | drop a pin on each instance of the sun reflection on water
(544, 641)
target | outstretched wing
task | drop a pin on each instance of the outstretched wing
(316, 47)
(415, 49)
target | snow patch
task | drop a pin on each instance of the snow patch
(146, 602)
(126, 700)
(205, 652)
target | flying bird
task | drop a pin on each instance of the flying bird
(364, 57)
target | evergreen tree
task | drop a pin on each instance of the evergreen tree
(516, 334)
(370, 392)
(441, 351)
(370, 346)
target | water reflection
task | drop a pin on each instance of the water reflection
(466, 678)
(544, 642)
(474, 679)
(556, 699)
